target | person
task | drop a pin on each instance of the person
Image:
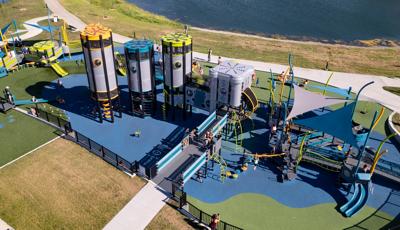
(257, 82)
(214, 221)
(186, 27)
(77, 63)
(34, 100)
(327, 66)
(201, 70)
(209, 54)
(365, 168)
(256, 159)
(219, 60)
(59, 83)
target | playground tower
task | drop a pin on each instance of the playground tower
(139, 55)
(177, 66)
(233, 81)
(98, 52)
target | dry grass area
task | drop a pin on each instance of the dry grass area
(126, 18)
(169, 219)
(63, 186)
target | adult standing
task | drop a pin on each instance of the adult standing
(209, 54)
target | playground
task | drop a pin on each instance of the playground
(257, 147)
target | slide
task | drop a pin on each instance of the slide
(250, 99)
(120, 64)
(358, 200)
(59, 70)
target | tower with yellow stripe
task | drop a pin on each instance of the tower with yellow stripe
(98, 50)
(177, 60)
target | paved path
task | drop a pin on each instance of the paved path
(5, 226)
(342, 80)
(139, 212)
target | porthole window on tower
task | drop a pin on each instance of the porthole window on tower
(97, 62)
(177, 65)
(133, 69)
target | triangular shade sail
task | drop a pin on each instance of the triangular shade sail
(337, 123)
(306, 101)
(45, 28)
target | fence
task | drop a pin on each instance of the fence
(102, 152)
(55, 120)
(205, 218)
(94, 147)
(180, 196)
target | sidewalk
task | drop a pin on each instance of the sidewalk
(343, 80)
(139, 212)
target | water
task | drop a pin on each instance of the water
(344, 20)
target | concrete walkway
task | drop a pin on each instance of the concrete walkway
(374, 92)
(5, 226)
(139, 212)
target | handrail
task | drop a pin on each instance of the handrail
(188, 173)
(169, 157)
(206, 122)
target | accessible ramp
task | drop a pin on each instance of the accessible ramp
(357, 201)
(250, 99)
(59, 70)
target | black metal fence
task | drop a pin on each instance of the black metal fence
(58, 121)
(180, 196)
(205, 218)
(94, 147)
(102, 152)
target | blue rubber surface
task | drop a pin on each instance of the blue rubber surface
(116, 136)
(312, 186)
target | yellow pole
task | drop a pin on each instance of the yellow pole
(377, 157)
(378, 154)
(4, 41)
(283, 85)
(379, 117)
(327, 82)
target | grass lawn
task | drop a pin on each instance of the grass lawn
(63, 186)
(254, 211)
(20, 134)
(395, 90)
(169, 219)
(373, 60)
(28, 82)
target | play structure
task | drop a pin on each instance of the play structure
(98, 49)
(299, 128)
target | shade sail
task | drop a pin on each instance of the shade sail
(305, 101)
(337, 123)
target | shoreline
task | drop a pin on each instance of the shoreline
(310, 41)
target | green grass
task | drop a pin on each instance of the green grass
(20, 134)
(28, 82)
(254, 211)
(395, 90)
(375, 60)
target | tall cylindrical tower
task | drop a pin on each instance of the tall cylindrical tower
(98, 50)
(139, 55)
(177, 66)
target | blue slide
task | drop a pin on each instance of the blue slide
(357, 201)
